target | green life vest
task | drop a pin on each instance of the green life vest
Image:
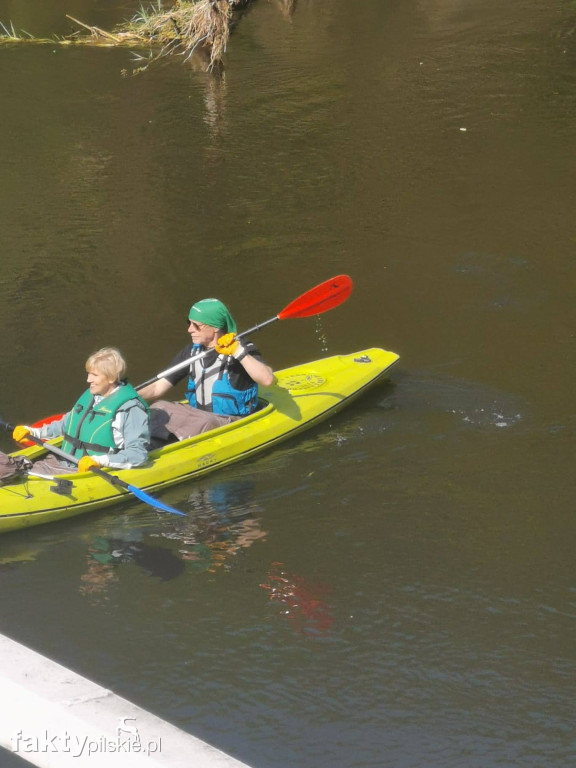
(88, 429)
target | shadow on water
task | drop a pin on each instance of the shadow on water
(413, 402)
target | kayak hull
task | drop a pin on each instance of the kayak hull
(302, 396)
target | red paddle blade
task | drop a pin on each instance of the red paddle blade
(320, 299)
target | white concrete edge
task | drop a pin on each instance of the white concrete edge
(54, 718)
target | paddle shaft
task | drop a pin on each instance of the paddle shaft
(315, 301)
(200, 355)
(323, 297)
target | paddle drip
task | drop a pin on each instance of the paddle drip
(321, 334)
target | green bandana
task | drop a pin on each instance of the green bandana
(212, 312)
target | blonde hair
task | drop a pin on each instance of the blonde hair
(108, 361)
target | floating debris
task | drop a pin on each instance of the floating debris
(183, 28)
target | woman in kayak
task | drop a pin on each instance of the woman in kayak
(107, 427)
(222, 386)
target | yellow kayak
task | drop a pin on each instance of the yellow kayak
(301, 397)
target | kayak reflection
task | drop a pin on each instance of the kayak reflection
(220, 524)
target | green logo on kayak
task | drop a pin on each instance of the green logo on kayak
(300, 381)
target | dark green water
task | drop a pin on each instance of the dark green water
(397, 588)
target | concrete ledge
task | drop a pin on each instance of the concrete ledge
(54, 718)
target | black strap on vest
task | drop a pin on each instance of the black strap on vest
(82, 446)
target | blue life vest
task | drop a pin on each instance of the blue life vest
(210, 389)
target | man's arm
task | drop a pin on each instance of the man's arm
(258, 371)
(255, 367)
(155, 390)
(161, 386)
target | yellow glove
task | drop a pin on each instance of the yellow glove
(21, 433)
(227, 344)
(87, 463)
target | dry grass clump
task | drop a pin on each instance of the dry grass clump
(183, 28)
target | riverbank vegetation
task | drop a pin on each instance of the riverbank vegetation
(182, 28)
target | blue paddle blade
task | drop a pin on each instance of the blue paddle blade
(153, 502)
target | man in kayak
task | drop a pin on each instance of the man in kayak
(222, 385)
(107, 427)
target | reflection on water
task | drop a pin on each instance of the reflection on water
(221, 522)
(105, 554)
(302, 602)
(288, 7)
(215, 115)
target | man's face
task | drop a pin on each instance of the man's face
(205, 335)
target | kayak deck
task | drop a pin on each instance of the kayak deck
(301, 397)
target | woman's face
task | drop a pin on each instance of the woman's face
(99, 383)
